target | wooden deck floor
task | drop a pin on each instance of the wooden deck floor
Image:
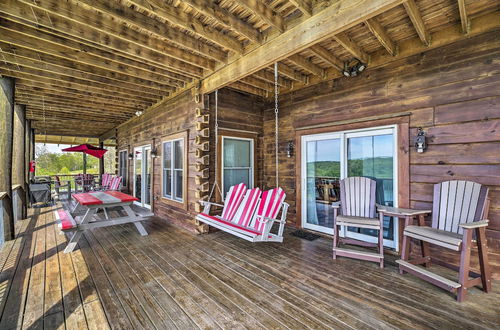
(172, 279)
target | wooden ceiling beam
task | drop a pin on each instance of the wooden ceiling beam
(327, 56)
(330, 21)
(108, 135)
(464, 19)
(381, 34)
(241, 86)
(41, 41)
(179, 18)
(349, 45)
(44, 77)
(417, 21)
(52, 106)
(255, 82)
(36, 113)
(304, 6)
(307, 65)
(62, 90)
(87, 25)
(160, 31)
(89, 77)
(225, 18)
(70, 140)
(259, 9)
(269, 77)
(291, 74)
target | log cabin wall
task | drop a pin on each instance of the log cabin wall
(236, 111)
(453, 92)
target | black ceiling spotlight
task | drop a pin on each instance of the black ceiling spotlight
(353, 68)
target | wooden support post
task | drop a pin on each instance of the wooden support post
(6, 133)
(101, 163)
(18, 154)
(32, 150)
(27, 157)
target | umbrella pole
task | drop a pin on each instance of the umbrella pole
(84, 163)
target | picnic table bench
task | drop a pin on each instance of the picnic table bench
(88, 204)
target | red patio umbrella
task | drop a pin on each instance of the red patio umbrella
(88, 149)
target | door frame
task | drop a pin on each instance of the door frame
(143, 169)
(343, 135)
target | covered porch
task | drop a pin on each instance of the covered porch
(172, 279)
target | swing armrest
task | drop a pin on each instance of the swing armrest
(336, 205)
(266, 219)
(210, 203)
(475, 224)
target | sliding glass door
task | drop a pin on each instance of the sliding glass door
(142, 175)
(327, 158)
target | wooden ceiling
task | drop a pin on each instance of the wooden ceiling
(84, 66)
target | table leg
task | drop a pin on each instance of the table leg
(78, 233)
(138, 225)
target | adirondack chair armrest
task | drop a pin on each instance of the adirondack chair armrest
(474, 225)
(336, 205)
(210, 203)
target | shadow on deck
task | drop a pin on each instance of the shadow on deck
(172, 279)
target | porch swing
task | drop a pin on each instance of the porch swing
(249, 213)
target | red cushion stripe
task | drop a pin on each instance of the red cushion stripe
(233, 200)
(86, 199)
(121, 196)
(270, 204)
(248, 206)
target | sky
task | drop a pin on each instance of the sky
(54, 148)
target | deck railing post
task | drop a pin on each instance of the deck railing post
(6, 133)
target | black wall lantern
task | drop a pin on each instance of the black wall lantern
(289, 149)
(420, 143)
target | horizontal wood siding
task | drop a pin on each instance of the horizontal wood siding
(452, 92)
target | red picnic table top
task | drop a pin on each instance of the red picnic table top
(103, 198)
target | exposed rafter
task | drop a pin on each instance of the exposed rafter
(381, 34)
(464, 19)
(224, 17)
(327, 56)
(307, 65)
(179, 18)
(418, 23)
(304, 6)
(265, 13)
(349, 45)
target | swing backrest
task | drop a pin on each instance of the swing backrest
(247, 208)
(269, 206)
(233, 201)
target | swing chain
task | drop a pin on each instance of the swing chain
(216, 147)
(276, 113)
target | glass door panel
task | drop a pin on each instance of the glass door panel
(138, 172)
(142, 175)
(372, 156)
(322, 175)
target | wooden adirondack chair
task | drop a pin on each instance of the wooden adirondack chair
(459, 213)
(249, 214)
(357, 206)
(66, 187)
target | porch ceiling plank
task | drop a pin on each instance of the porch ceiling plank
(291, 74)
(269, 77)
(226, 18)
(356, 51)
(88, 25)
(66, 91)
(84, 84)
(84, 75)
(63, 139)
(327, 56)
(255, 82)
(330, 21)
(179, 18)
(307, 65)
(241, 86)
(160, 31)
(35, 76)
(265, 13)
(381, 34)
(62, 115)
(51, 108)
(41, 41)
(304, 6)
(464, 19)
(107, 135)
(76, 98)
(69, 64)
(417, 21)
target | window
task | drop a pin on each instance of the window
(173, 165)
(237, 162)
(122, 166)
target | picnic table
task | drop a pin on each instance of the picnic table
(88, 204)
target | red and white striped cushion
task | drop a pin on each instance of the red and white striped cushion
(233, 200)
(247, 207)
(269, 206)
(115, 183)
